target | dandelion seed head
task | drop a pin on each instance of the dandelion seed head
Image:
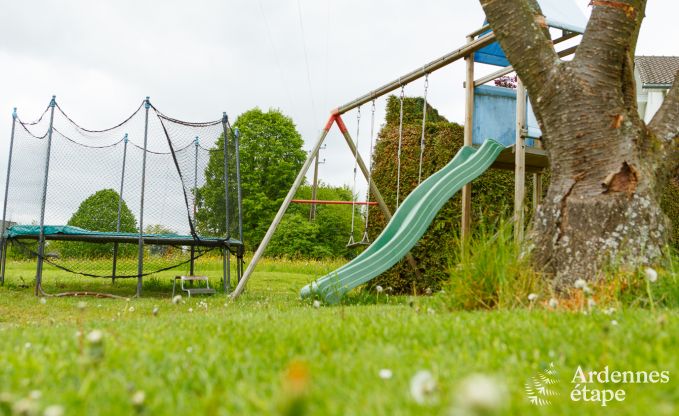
(385, 374)
(54, 410)
(423, 387)
(317, 304)
(553, 303)
(43, 300)
(651, 274)
(580, 284)
(176, 299)
(95, 337)
(481, 394)
(533, 297)
(379, 289)
(138, 398)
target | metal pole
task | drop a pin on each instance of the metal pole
(3, 241)
(195, 192)
(281, 211)
(314, 189)
(226, 272)
(373, 187)
(120, 209)
(41, 238)
(519, 162)
(240, 203)
(140, 258)
(420, 72)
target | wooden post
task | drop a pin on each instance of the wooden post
(537, 183)
(468, 129)
(519, 162)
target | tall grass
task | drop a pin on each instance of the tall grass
(491, 272)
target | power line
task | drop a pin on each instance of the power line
(306, 61)
(286, 85)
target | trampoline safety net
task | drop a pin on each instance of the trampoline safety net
(173, 183)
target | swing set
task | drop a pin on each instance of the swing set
(490, 112)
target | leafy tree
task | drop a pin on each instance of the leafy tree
(608, 167)
(325, 236)
(270, 156)
(99, 212)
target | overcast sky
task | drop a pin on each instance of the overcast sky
(199, 58)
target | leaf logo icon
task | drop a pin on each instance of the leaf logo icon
(538, 388)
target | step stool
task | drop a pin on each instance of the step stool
(207, 290)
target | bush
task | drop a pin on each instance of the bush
(98, 212)
(324, 237)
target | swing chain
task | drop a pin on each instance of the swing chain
(424, 123)
(353, 188)
(400, 145)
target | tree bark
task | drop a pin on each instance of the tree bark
(603, 202)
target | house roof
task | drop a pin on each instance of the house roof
(657, 70)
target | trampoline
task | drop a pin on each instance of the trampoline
(153, 193)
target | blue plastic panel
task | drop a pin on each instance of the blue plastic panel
(495, 116)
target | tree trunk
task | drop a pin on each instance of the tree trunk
(607, 167)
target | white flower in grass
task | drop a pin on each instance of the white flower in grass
(35, 394)
(43, 300)
(386, 374)
(131, 309)
(54, 410)
(580, 284)
(553, 303)
(25, 407)
(176, 299)
(533, 297)
(379, 289)
(614, 322)
(317, 304)
(428, 291)
(28, 346)
(81, 305)
(190, 310)
(155, 311)
(479, 394)
(591, 303)
(95, 337)
(138, 399)
(587, 290)
(609, 311)
(651, 274)
(423, 387)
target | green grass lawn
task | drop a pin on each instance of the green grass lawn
(270, 353)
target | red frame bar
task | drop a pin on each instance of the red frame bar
(321, 202)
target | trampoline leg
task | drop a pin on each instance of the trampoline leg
(140, 267)
(226, 272)
(192, 265)
(3, 260)
(38, 272)
(115, 263)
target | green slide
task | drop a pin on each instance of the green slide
(408, 224)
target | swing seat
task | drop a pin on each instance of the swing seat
(364, 242)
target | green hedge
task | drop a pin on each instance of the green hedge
(492, 193)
